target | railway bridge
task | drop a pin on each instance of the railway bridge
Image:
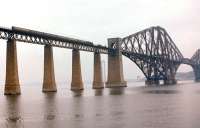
(152, 50)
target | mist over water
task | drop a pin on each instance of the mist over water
(136, 106)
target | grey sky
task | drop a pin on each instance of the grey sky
(95, 20)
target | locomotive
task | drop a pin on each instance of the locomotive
(28, 32)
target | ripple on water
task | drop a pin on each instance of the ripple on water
(50, 117)
(161, 91)
(14, 118)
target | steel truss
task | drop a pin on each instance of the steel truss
(36, 37)
(153, 51)
(196, 66)
(196, 57)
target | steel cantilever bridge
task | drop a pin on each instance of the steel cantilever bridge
(155, 53)
(152, 50)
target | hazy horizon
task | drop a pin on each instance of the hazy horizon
(95, 21)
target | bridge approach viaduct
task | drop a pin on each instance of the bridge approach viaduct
(152, 50)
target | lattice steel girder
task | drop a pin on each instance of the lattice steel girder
(197, 72)
(153, 51)
(154, 68)
(36, 37)
(196, 66)
(153, 42)
(196, 57)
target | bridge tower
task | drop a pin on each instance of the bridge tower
(12, 85)
(115, 67)
(170, 75)
(197, 73)
(97, 80)
(152, 81)
(49, 84)
(154, 52)
(77, 83)
(196, 65)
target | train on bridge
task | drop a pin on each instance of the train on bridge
(152, 50)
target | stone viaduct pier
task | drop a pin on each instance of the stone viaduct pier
(152, 50)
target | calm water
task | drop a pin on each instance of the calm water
(133, 107)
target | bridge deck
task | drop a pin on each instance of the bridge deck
(37, 37)
(42, 38)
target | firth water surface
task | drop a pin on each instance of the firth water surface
(132, 107)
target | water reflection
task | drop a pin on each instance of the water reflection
(103, 108)
(13, 117)
(77, 93)
(50, 110)
(116, 91)
(162, 91)
(98, 92)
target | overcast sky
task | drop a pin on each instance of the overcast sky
(95, 20)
